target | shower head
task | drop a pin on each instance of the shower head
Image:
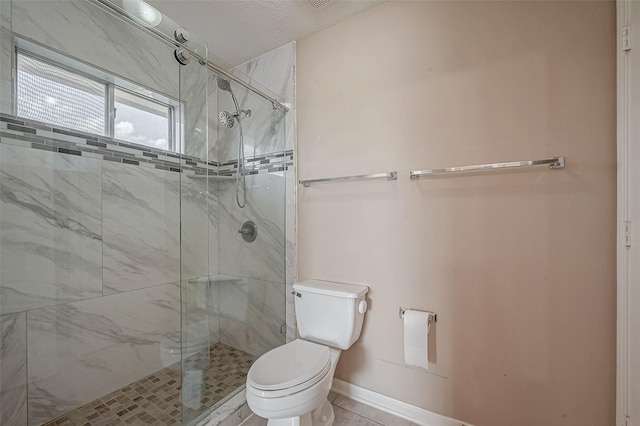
(227, 119)
(223, 84)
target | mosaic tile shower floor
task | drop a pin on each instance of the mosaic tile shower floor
(155, 399)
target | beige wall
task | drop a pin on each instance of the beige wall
(519, 266)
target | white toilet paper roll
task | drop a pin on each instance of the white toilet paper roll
(416, 338)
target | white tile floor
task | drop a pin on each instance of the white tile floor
(348, 412)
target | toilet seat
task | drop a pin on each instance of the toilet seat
(288, 369)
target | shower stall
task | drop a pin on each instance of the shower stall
(143, 249)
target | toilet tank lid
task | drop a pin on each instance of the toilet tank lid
(330, 288)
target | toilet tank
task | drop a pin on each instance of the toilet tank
(330, 313)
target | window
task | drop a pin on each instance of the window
(141, 120)
(59, 94)
(53, 95)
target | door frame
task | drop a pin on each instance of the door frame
(624, 216)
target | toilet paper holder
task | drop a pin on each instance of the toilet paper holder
(433, 317)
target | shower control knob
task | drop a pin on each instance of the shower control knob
(249, 231)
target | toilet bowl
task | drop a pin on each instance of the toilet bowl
(292, 381)
(289, 385)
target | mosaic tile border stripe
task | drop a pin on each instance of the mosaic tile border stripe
(36, 135)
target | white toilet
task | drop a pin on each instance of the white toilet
(289, 385)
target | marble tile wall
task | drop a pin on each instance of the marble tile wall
(13, 369)
(291, 271)
(213, 124)
(103, 344)
(141, 227)
(276, 70)
(214, 309)
(251, 319)
(218, 282)
(251, 314)
(263, 259)
(195, 101)
(199, 222)
(51, 221)
(266, 131)
(271, 198)
(200, 312)
(214, 219)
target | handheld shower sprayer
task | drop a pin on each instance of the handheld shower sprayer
(228, 119)
(223, 84)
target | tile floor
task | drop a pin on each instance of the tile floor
(155, 399)
(349, 412)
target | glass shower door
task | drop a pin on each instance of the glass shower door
(89, 220)
(245, 288)
(197, 205)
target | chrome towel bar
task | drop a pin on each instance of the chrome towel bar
(387, 176)
(433, 317)
(553, 162)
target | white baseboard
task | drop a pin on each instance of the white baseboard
(393, 406)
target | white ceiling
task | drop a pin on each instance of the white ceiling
(240, 30)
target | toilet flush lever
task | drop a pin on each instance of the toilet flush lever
(295, 293)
